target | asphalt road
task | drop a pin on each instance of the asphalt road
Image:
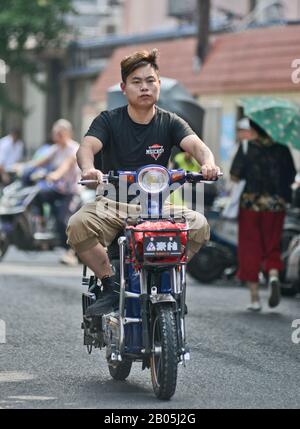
(238, 359)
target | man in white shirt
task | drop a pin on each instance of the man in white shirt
(11, 152)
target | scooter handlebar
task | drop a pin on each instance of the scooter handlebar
(198, 177)
(108, 178)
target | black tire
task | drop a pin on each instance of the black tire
(286, 238)
(23, 234)
(4, 244)
(121, 370)
(290, 289)
(164, 363)
(207, 265)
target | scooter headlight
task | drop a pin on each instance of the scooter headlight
(153, 179)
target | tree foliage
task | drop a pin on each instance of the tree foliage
(30, 27)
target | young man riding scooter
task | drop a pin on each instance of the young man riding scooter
(131, 137)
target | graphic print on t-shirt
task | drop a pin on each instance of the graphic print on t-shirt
(155, 151)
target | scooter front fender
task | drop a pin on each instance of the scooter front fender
(161, 297)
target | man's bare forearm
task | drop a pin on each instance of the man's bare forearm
(198, 149)
(86, 152)
(85, 158)
(203, 154)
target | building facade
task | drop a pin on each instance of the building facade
(102, 27)
(262, 61)
(101, 17)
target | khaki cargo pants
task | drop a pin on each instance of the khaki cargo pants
(102, 220)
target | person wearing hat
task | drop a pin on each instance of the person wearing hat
(269, 171)
(244, 131)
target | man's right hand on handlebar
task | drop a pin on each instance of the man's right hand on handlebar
(92, 174)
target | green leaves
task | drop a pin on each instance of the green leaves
(28, 27)
(41, 20)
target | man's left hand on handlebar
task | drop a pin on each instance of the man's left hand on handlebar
(210, 171)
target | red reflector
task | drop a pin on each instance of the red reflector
(177, 176)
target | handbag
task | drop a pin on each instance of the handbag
(231, 209)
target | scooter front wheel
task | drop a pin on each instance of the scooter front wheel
(164, 359)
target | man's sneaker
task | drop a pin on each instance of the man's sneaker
(108, 299)
(254, 306)
(274, 286)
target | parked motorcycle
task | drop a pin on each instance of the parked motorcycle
(296, 191)
(20, 218)
(149, 326)
(219, 256)
(291, 241)
(292, 274)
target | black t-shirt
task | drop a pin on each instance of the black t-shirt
(129, 146)
(268, 169)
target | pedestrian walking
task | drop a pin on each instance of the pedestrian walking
(269, 171)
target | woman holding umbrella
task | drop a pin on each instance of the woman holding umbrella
(269, 171)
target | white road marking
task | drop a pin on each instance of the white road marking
(32, 398)
(15, 376)
(37, 271)
(2, 332)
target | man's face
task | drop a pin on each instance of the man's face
(142, 87)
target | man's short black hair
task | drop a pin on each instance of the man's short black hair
(138, 59)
